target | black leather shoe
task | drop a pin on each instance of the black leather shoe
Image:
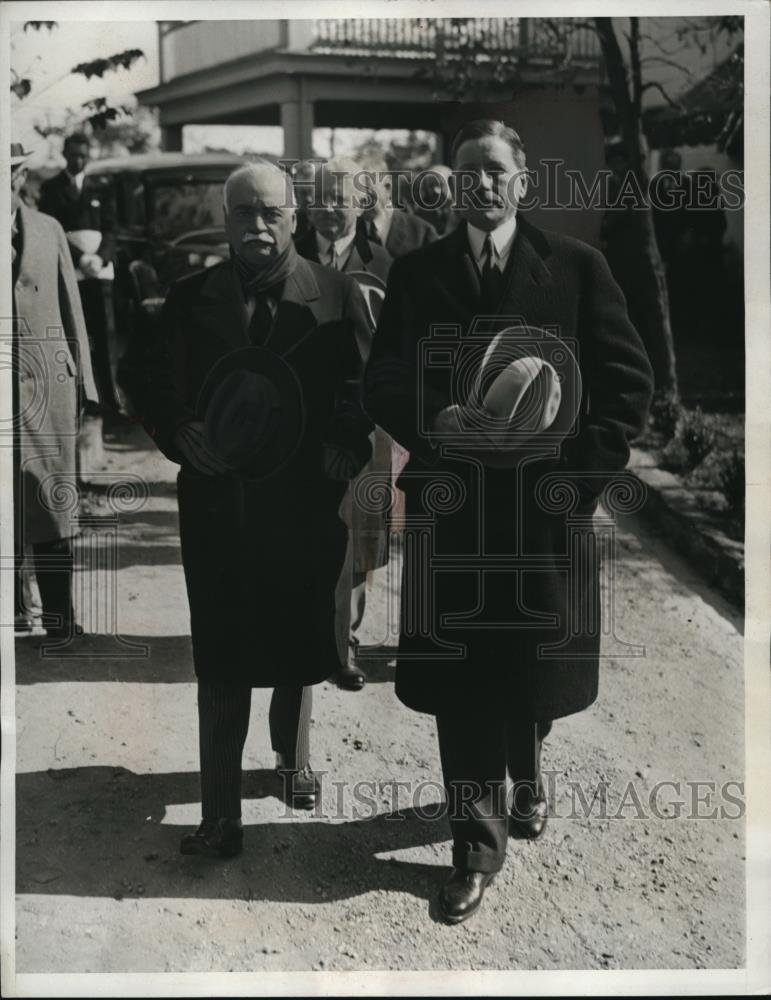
(529, 812)
(300, 787)
(214, 838)
(70, 631)
(350, 677)
(23, 624)
(462, 894)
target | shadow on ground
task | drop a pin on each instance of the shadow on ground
(98, 831)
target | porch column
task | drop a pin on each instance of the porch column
(297, 123)
(171, 138)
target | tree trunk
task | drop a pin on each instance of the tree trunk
(653, 300)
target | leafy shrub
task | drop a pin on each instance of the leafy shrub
(665, 412)
(696, 434)
(731, 478)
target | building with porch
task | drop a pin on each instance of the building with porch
(381, 73)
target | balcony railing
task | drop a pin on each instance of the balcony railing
(187, 46)
(533, 39)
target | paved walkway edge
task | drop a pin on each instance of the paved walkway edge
(673, 510)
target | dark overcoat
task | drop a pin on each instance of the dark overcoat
(500, 591)
(262, 558)
(407, 232)
(366, 516)
(78, 209)
(52, 380)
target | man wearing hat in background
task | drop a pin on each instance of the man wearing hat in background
(505, 652)
(254, 389)
(52, 380)
(331, 240)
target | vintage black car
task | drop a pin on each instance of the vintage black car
(169, 221)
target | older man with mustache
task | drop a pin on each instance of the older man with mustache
(262, 556)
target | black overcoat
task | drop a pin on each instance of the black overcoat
(500, 590)
(78, 209)
(262, 559)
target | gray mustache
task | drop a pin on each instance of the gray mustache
(256, 238)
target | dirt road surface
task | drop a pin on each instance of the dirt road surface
(107, 782)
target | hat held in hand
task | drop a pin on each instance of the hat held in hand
(252, 409)
(526, 394)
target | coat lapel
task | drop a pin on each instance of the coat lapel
(31, 241)
(457, 272)
(223, 312)
(526, 267)
(355, 262)
(296, 316)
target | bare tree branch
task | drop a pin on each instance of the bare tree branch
(655, 85)
(662, 61)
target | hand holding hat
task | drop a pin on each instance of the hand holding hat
(526, 393)
(190, 442)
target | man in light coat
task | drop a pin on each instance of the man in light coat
(52, 380)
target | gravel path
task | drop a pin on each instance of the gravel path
(107, 782)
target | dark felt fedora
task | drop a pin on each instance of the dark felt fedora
(251, 405)
(526, 392)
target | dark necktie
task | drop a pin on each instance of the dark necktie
(491, 283)
(262, 320)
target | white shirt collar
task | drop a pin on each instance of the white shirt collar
(503, 237)
(341, 245)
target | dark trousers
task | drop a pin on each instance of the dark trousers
(476, 754)
(53, 563)
(96, 297)
(223, 721)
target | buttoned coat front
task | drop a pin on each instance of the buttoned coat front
(262, 558)
(500, 590)
(52, 380)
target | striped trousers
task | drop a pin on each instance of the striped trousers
(223, 722)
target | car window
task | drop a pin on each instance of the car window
(180, 207)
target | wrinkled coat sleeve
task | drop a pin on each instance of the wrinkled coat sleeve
(395, 393)
(163, 404)
(350, 426)
(72, 318)
(618, 380)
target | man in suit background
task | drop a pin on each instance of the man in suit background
(504, 652)
(262, 558)
(65, 197)
(395, 229)
(332, 240)
(52, 364)
(332, 215)
(432, 198)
